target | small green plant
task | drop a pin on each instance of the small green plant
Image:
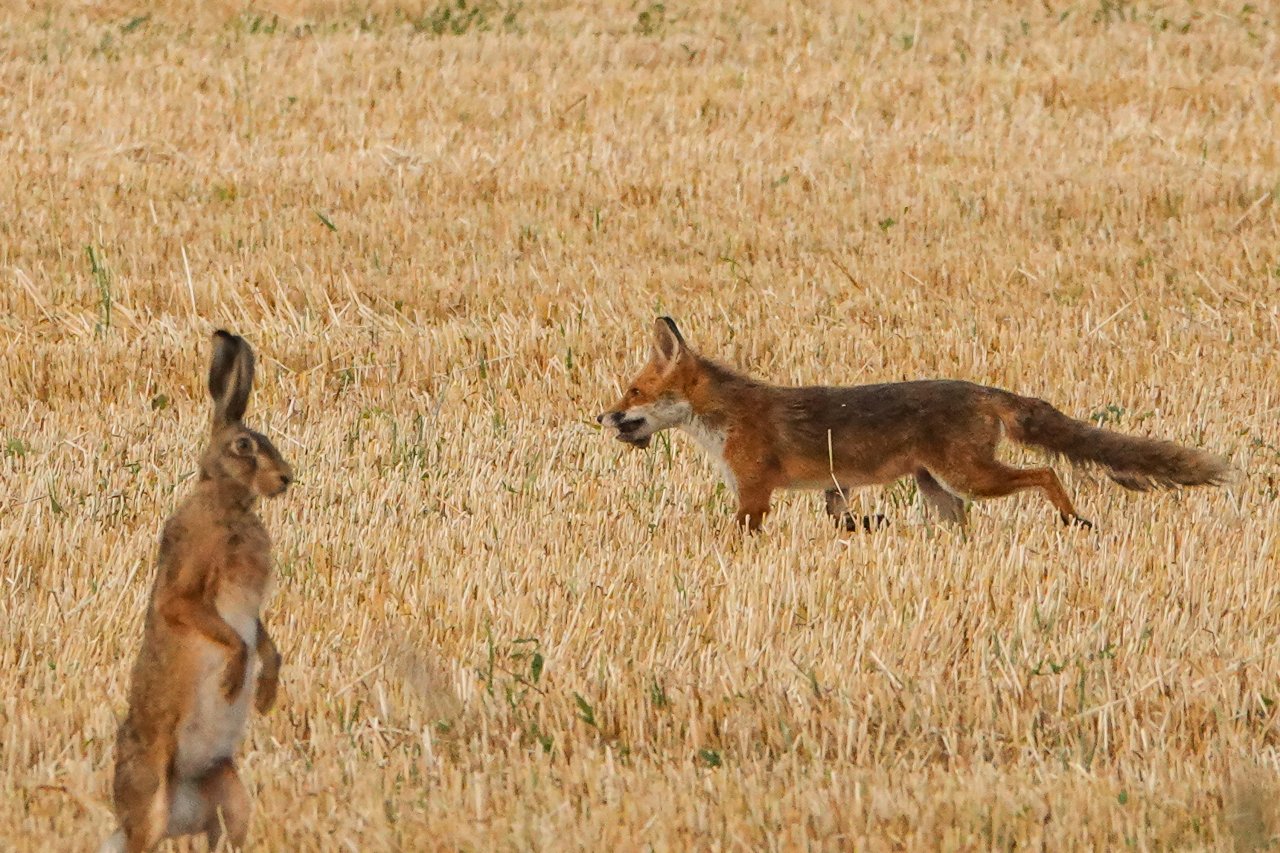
(513, 672)
(586, 713)
(1109, 414)
(710, 757)
(1110, 11)
(811, 676)
(103, 279)
(455, 19)
(260, 24)
(459, 17)
(55, 505)
(1045, 667)
(107, 47)
(652, 20)
(658, 695)
(134, 22)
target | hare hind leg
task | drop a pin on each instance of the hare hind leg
(214, 804)
(140, 792)
(227, 806)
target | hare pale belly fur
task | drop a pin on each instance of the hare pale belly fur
(214, 728)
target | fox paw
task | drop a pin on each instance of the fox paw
(1076, 521)
(866, 523)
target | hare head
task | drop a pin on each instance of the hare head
(237, 455)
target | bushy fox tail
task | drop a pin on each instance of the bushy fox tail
(1133, 462)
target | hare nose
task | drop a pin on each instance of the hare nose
(599, 419)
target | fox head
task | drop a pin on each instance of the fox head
(657, 398)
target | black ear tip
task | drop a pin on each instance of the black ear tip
(223, 338)
(671, 326)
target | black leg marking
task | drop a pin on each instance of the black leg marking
(866, 523)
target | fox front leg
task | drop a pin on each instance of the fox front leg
(837, 500)
(753, 471)
(754, 499)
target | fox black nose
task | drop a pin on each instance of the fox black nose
(599, 419)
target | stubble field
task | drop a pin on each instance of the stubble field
(446, 231)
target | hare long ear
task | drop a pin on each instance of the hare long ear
(230, 378)
(668, 343)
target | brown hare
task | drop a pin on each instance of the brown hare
(203, 643)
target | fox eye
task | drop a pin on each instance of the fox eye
(243, 446)
(633, 392)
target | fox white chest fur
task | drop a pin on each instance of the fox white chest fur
(213, 729)
(711, 439)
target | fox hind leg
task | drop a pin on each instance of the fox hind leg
(837, 501)
(948, 506)
(995, 480)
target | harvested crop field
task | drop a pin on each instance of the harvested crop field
(447, 228)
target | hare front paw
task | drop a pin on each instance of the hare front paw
(266, 694)
(233, 675)
(268, 681)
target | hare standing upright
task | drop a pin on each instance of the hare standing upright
(203, 640)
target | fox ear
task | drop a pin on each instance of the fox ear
(230, 378)
(668, 343)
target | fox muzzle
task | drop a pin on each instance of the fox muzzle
(630, 430)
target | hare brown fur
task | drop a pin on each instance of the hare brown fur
(205, 652)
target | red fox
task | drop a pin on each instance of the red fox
(943, 433)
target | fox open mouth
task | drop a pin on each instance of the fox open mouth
(628, 429)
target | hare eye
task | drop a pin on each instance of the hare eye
(244, 446)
